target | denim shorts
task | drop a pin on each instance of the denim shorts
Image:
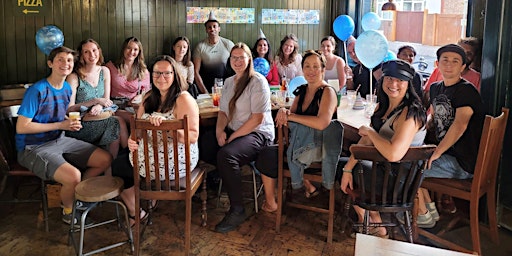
(448, 167)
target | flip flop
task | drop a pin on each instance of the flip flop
(265, 207)
(154, 205)
(312, 194)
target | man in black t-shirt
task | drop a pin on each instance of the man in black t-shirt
(457, 121)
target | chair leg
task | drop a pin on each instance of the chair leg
(366, 222)
(279, 203)
(44, 202)
(188, 223)
(346, 212)
(218, 193)
(255, 191)
(204, 196)
(475, 228)
(330, 225)
(493, 221)
(408, 228)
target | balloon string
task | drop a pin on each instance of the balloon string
(371, 83)
(345, 51)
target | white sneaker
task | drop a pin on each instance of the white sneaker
(433, 210)
(423, 220)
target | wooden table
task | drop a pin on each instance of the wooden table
(351, 120)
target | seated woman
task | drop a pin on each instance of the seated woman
(244, 126)
(166, 100)
(335, 67)
(90, 85)
(180, 51)
(288, 58)
(314, 106)
(397, 123)
(262, 49)
(130, 77)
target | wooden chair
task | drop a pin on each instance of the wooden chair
(400, 184)
(482, 183)
(9, 166)
(181, 188)
(284, 173)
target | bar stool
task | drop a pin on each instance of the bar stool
(96, 190)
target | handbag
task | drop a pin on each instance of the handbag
(192, 89)
(106, 113)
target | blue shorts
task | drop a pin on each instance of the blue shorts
(448, 167)
(44, 159)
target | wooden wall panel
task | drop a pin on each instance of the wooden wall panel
(155, 22)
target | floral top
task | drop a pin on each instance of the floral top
(194, 153)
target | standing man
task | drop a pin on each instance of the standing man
(359, 73)
(40, 141)
(211, 56)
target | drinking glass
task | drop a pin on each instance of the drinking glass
(281, 98)
(216, 94)
(219, 82)
(351, 96)
(74, 116)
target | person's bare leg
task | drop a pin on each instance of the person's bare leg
(374, 218)
(69, 177)
(309, 186)
(128, 197)
(423, 198)
(269, 185)
(98, 163)
(123, 131)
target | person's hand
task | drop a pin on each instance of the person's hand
(132, 145)
(364, 130)
(282, 117)
(137, 99)
(221, 138)
(348, 71)
(434, 156)
(96, 110)
(156, 120)
(346, 181)
(105, 102)
(71, 125)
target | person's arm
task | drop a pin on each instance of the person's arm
(350, 80)
(25, 125)
(340, 67)
(145, 82)
(298, 65)
(347, 178)
(106, 82)
(393, 150)
(458, 127)
(186, 105)
(328, 105)
(220, 133)
(197, 76)
(190, 73)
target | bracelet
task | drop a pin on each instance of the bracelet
(347, 171)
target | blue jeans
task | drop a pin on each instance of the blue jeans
(448, 167)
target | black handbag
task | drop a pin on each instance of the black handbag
(192, 89)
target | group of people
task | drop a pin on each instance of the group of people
(245, 129)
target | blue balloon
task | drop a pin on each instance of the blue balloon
(296, 82)
(371, 48)
(370, 21)
(261, 66)
(48, 38)
(343, 27)
(389, 56)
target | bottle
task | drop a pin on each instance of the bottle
(284, 84)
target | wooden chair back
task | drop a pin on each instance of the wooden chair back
(399, 181)
(482, 183)
(182, 187)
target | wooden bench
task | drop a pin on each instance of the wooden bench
(9, 166)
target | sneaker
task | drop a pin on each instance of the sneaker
(76, 222)
(448, 205)
(423, 220)
(433, 210)
(81, 206)
(230, 222)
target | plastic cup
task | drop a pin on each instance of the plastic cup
(74, 116)
(371, 98)
(351, 96)
(216, 94)
(281, 98)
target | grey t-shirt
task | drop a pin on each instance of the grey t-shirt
(254, 99)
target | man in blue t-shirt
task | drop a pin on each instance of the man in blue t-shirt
(40, 142)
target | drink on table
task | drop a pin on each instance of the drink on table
(74, 116)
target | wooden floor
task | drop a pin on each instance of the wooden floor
(302, 233)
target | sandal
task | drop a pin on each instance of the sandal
(312, 194)
(142, 218)
(265, 207)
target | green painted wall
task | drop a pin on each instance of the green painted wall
(155, 22)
